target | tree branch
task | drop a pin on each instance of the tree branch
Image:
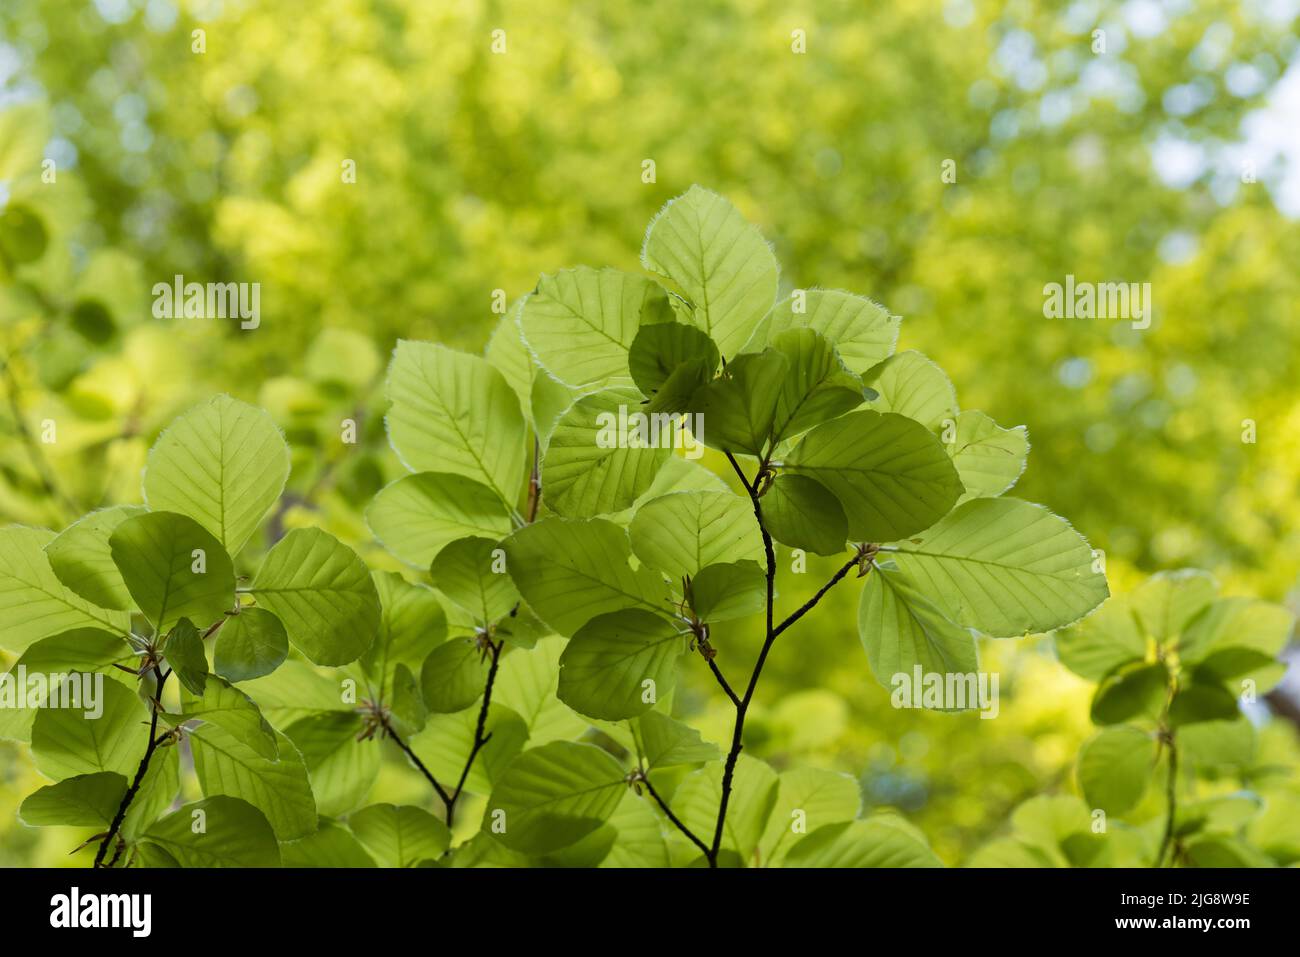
(388, 728)
(480, 739)
(154, 740)
(811, 603)
(645, 779)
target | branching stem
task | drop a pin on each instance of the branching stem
(154, 740)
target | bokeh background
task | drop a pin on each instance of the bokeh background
(1173, 157)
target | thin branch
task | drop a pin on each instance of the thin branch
(717, 673)
(812, 602)
(388, 728)
(480, 738)
(154, 740)
(644, 779)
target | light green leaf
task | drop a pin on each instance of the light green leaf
(224, 464)
(527, 682)
(1212, 745)
(891, 475)
(250, 644)
(682, 532)
(341, 769)
(1131, 692)
(279, 788)
(418, 515)
(34, 604)
(817, 386)
(722, 264)
(989, 458)
(453, 676)
(80, 557)
(1115, 768)
(875, 842)
(224, 705)
(453, 412)
(87, 800)
(581, 322)
(332, 845)
(66, 743)
(1103, 641)
(640, 838)
(173, 568)
(729, 590)
(553, 796)
(234, 834)
(912, 385)
(82, 649)
(807, 799)
(157, 792)
(738, 410)
(444, 746)
(863, 332)
(668, 362)
(472, 573)
(753, 795)
(1233, 666)
(1243, 622)
(1167, 601)
(322, 594)
(604, 452)
(618, 665)
(665, 742)
(411, 624)
(1005, 567)
(572, 571)
(406, 702)
(902, 629)
(184, 653)
(802, 513)
(400, 836)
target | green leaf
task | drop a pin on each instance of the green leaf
(753, 795)
(250, 644)
(580, 323)
(876, 842)
(224, 464)
(87, 800)
(1224, 852)
(453, 412)
(184, 653)
(553, 796)
(342, 770)
(640, 839)
(1238, 665)
(682, 532)
(80, 557)
(807, 799)
(989, 458)
(722, 264)
(802, 513)
(406, 702)
(472, 573)
(620, 664)
(665, 742)
(1243, 622)
(729, 590)
(911, 385)
(891, 475)
(1211, 745)
(527, 682)
(216, 832)
(156, 794)
(738, 410)
(817, 386)
(668, 362)
(82, 649)
(863, 332)
(419, 515)
(1115, 768)
(1134, 691)
(173, 568)
(453, 676)
(604, 453)
(332, 845)
(1165, 603)
(1103, 641)
(222, 704)
(572, 571)
(278, 788)
(902, 629)
(34, 604)
(411, 624)
(1005, 567)
(322, 594)
(66, 743)
(400, 836)
(1196, 702)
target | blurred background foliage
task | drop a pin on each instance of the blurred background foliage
(126, 158)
